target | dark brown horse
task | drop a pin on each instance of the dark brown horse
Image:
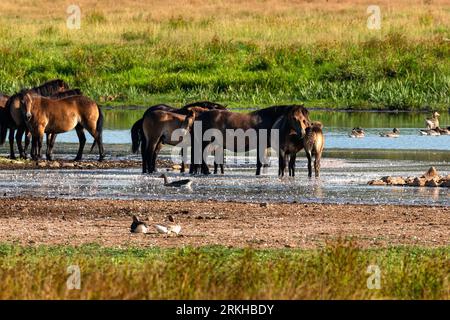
(15, 119)
(158, 127)
(291, 143)
(258, 120)
(44, 115)
(137, 135)
(4, 118)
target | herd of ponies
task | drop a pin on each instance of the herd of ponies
(53, 108)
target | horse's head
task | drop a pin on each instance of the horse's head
(298, 117)
(193, 112)
(26, 105)
(436, 115)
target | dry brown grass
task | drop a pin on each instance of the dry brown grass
(264, 22)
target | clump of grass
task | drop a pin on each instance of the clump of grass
(96, 17)
(338, 271)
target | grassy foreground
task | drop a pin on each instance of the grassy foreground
(240, 53)
(338, 271)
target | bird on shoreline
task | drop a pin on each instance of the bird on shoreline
(169, 229)
(394, 134)
(179, 183)
(138, 226)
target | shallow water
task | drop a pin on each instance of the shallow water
(345, 168)
(342, 181)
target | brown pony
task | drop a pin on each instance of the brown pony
(137, 135)
(4, 118)
(158, 127)
(15, 120)
(313, 142)
(259, 119)
(44, 115)
(291, 143)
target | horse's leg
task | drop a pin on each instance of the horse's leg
(27, 143)
(182, 161)
(258, 160)
(281, 163)
(145, 167)
(11, 144)
(216, 165)
(309, 156)
(51, 137)
(151, 150)
(155, 155)
(33, 152)
(39, 143)
(292, 164)
(82, 139)
(317, 164)
(204, 167)
(98, 138)
(144, 154)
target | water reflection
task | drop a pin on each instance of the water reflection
(342, 181)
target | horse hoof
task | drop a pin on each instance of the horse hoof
(77, 159)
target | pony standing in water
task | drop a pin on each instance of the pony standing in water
(13, 120)
(50, 116)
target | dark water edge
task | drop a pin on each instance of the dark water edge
(123, 151)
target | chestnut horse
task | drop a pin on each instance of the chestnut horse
(15, 120)
(223, 120)
(44, 115)
(158, 127)
(137, 135)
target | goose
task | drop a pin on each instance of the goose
(179, 183)
(168, 230)
(138, 226)
(430, 132)
(394, 134)
(433, 122)
(357, 133)
(444, 131)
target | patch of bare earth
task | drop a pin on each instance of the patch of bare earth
(8, 164)
(107, 222)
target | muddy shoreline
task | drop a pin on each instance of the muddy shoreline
(35, 221)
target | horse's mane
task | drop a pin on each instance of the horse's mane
(67, 93)
(205, 104)
(277, 111)
(50, 87)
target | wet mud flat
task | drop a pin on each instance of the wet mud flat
(34, 221)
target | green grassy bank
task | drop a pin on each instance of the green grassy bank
(337, 271)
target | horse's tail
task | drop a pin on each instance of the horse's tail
(136, 135)
(99, 128)
(3, 132)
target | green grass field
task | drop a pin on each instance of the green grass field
(242, 54)
(337, 271)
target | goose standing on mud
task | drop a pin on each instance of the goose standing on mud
(394, 134)
(169, 229)
(357, 133)
(138, 226)
(177, 184)
(433, 122)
